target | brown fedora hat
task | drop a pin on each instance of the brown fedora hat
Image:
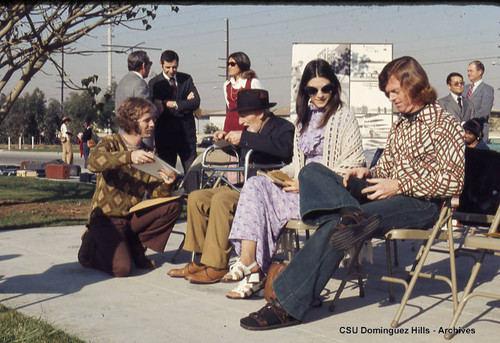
(65, 118)
(253, 99)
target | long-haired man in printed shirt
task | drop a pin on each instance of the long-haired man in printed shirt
(422, 164)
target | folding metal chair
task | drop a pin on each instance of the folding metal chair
(479, 206)
(485, 244)
(429, 237)
(289, 241)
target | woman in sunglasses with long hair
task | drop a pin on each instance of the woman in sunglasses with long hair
(326, 133)
(240, 77)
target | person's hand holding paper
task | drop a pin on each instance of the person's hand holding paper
(152, 164)
(142, 156)
(167, 176)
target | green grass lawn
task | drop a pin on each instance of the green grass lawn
(16, 327)
(44, 190)
(40, 147)
(32, 202)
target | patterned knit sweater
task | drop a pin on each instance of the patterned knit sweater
(119, 185)
(342, 150)
(426, 154)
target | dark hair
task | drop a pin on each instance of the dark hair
(412, 77)
(317, 68)
(479, 66)
(136, 59)
(243, 62)
(169, 56)
(448, 79)
(475, 125)
(130, 111)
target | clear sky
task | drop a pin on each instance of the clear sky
(443, 38)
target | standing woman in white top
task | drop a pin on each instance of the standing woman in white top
(240, 77)
(67, 150)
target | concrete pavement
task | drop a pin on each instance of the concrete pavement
(40, 276)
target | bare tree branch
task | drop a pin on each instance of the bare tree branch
(31, 34)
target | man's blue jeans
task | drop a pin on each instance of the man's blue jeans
(322, 195)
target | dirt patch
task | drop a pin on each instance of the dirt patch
(67, 211)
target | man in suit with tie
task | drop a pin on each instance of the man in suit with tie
(453, 103)
(480, 96)
(175, 129)
(133, 83)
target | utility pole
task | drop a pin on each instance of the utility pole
(226, 75)
(62, 80)
(227, 45)
(110, 61)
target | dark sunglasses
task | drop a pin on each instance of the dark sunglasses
(231, 64)
(326, 89)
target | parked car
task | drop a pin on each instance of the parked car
(206, 142)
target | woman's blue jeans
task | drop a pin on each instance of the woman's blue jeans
(322, 195)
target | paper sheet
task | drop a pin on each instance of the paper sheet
(153, 167)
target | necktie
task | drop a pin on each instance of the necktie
(469, 93)
(174, 88)
(459, 99)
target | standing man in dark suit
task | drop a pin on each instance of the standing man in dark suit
(175, 129)
(453, 103)
(134, 85)
(480, 96)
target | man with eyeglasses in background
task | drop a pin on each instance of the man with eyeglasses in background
(480, 96)
(453, 103)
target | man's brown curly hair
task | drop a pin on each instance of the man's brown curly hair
(130, 111)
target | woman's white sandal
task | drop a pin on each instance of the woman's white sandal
(237, 272)
(252, 284)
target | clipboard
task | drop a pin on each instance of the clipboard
(153, 167)
(152, 202)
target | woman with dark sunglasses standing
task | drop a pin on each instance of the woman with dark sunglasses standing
(240, 77)
(325, 132)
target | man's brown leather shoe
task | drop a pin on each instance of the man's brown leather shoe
(207, 275)
(188, 269)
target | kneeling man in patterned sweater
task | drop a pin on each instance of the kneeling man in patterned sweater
(116, 238)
